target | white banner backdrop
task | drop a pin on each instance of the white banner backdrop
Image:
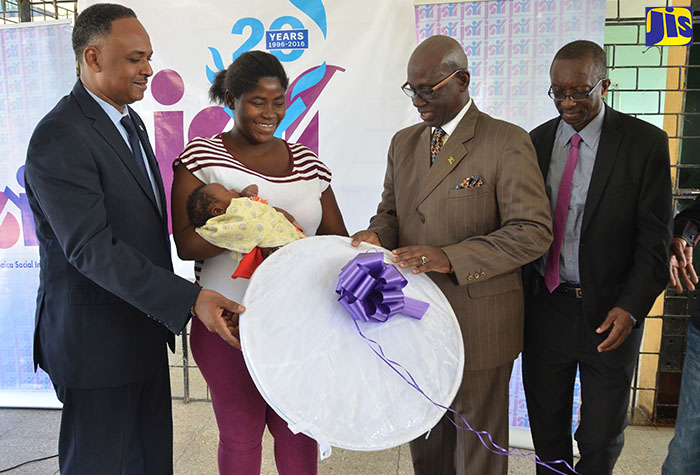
(346, 61)
(344, 86)
(346, 64)
(37, 69)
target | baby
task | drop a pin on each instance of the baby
(240, 222)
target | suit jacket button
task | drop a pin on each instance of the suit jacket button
(470, 277)
(483, 274)
(476, 275)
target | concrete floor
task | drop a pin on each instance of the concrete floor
(27, 434)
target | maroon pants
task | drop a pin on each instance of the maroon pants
(242, 413)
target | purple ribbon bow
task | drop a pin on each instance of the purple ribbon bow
(371, 289)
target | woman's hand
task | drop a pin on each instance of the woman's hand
(250, 191)
(290, 218)
(266, 251)
(365, 236)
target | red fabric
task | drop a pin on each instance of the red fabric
(248, 264)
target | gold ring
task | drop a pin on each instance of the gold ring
(424, 260)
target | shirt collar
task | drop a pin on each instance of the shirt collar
(590, 134)
(111, 111)
(450, 126)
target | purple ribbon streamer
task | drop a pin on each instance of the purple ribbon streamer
(370, 289)
(498, 450)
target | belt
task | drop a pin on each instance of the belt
(570, 290)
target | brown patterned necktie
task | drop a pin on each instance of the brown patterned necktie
(436, 143)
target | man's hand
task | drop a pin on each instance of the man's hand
(423, 258)
(681, 265)
(621, 323)
(231, 320)
(219, 315)
(365, 236)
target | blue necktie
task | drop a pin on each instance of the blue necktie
(135, 145)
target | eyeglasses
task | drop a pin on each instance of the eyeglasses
(426, 93)
(576, 96)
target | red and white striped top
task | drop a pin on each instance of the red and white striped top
(297, 192)
(206, 154)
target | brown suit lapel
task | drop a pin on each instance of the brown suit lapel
(455, 148)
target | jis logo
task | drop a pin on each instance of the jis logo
(669, 26)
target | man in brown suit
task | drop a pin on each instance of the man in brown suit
(464, 201)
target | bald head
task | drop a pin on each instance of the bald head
(441, 51)
(439, 61)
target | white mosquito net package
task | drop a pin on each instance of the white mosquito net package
(313, 367)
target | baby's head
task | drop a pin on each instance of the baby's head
(207, 201)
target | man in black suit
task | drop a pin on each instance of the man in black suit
(108, 301)
(608, 178)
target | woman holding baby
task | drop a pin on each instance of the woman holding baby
(290, 177)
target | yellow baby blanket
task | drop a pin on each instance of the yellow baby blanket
(247, 224)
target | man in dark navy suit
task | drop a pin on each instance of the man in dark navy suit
(108, 301)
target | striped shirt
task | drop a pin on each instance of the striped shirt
(298, 192)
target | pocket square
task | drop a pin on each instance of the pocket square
(471, 182)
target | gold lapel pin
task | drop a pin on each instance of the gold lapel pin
(451, 159)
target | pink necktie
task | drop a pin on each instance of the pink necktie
(551, 274)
